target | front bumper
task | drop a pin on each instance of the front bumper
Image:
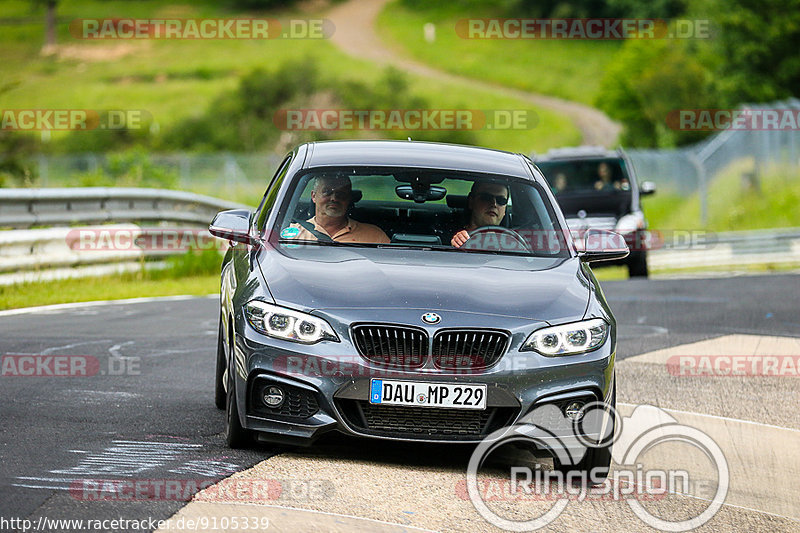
(327, 388)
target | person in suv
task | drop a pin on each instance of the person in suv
(598, 189)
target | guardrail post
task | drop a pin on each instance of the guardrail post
(702, 184)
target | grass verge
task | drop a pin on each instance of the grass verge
(732, 204)
(569, 69)
(103, 288)
(193, 273)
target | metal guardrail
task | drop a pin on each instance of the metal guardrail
(48, 253)
(23, 208)
(731, 249)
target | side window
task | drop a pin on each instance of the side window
(272, 192)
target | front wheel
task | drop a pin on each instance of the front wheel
(235, 435)
(595, 465)
(219, 385)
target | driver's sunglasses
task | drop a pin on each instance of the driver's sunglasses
(343, 193)
(489, 198)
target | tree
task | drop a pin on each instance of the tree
(648, 81)
(756, 44)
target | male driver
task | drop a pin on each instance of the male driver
(605, 174)
(487, 204)
(331, 196)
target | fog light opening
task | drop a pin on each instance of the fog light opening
(273, 397)
(574, 410)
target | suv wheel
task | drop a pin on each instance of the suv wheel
(637, 265)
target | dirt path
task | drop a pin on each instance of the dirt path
(354, 21)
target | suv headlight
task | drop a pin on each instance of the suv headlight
(568, 339)
(630, 222)
(287, 324)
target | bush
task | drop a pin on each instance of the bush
(16, 150)
(647, 81)
(130, 169)
(242, 119)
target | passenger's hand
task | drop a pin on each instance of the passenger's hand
(460, 238)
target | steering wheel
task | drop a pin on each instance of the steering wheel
(503, 231)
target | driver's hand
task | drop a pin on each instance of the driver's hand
(460, 238)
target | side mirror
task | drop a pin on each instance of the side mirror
(602, 245)
(647, 188)
(233, 225)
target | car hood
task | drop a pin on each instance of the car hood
(311, 277)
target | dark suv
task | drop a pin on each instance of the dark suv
(598, 189)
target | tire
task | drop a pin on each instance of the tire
(235, 435)
(595, 459)
(637, 265)
(220, 398)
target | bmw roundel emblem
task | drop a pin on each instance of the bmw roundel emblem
(431, 318)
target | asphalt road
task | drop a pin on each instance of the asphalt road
(148, 412)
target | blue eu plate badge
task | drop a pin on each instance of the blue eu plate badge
(375, 394)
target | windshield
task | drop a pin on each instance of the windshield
(583, 176)
(424, 209)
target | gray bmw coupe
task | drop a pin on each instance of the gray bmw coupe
(408, 291)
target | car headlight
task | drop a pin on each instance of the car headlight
(287, 324)
(568, 339)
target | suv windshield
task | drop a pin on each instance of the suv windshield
(580, 176)
(420, 208)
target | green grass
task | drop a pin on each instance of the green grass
(193, 273)
(569, 69)
(103, 288)
(176, 79)
(731, 205)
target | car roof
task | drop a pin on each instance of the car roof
(577, 152)
(416, 154)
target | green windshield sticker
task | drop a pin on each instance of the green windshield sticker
(290, 233)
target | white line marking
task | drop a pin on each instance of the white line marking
(718, 417)
(77, 305)
(314, 511)
(727, 504)
(50, 350)
(114, 350)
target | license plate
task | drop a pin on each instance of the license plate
(425, 394)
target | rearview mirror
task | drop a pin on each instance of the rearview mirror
(602, 245)
(233, 225)
(422, 194)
